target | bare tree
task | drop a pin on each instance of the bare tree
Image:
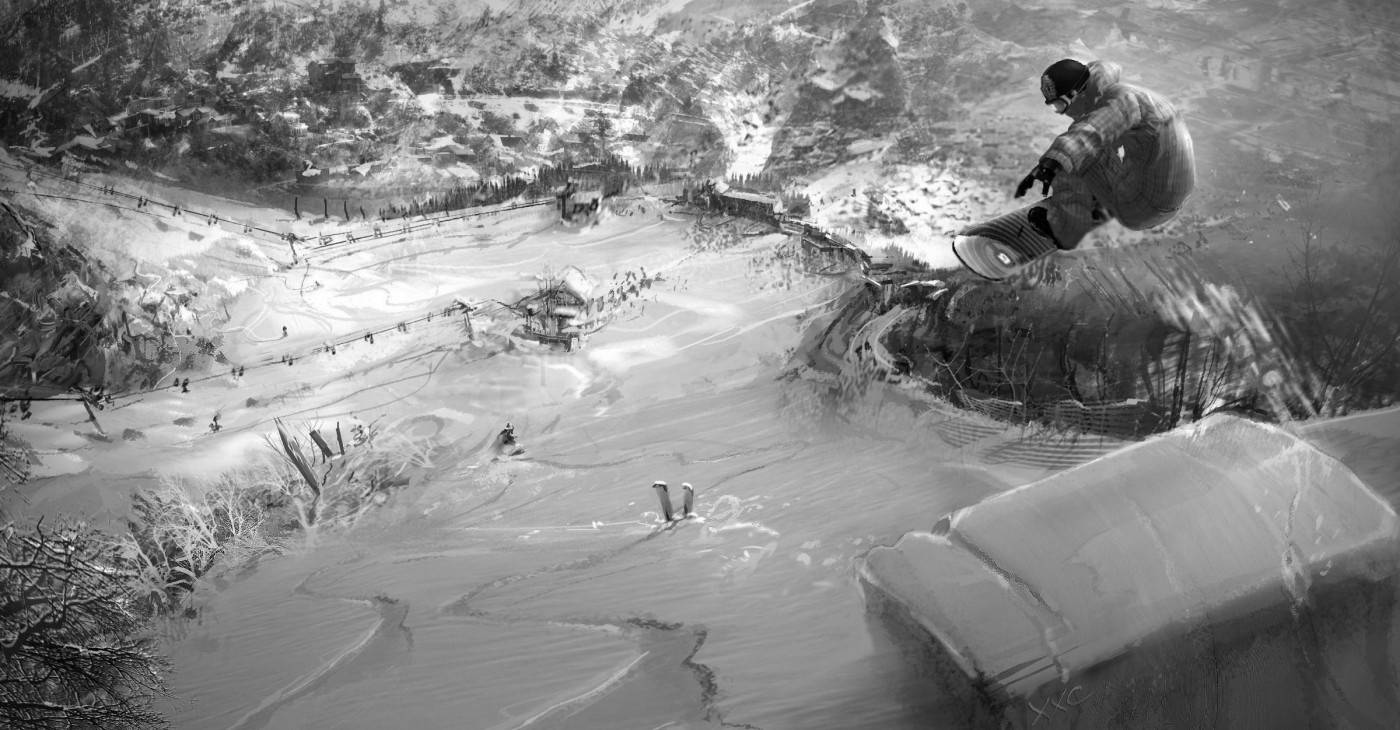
(338, 488)
(1343, 312)
(181, 531)
(14, 454)
(72, 652)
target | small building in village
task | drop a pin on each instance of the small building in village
(426, 77)
(585, 187)
(749, 205)
(717, 195)
(441, 76)
(334, 75)
(592, 174)
(451, 153)
(574, 200)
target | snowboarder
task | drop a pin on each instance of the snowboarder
(1126, 156)
(1142, 188)
(506, 443)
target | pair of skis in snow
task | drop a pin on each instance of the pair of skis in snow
(670, 518)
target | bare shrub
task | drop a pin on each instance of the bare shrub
(180, 530)
(336, 485)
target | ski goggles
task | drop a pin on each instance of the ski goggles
(1059, 101)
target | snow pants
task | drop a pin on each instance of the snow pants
(1140, 194)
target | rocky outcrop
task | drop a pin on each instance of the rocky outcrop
(74, 326)
(854, 89)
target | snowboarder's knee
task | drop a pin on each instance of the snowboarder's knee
(1144, 215)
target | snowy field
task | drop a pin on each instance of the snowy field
(538, 591)
(521, 592)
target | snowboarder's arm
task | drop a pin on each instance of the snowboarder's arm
(1099, 130)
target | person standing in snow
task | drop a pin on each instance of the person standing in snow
(1126, 156)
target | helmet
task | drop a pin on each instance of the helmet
(1061, 81)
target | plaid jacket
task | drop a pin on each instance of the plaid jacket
(1158, 165)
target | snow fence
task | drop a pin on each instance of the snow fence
(1225, 575)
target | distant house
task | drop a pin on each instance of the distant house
(200, 114)
(149, 120)
(445, 151)
(573, 200)
(753, 205)
(591, 176)
(426, 77)
(718, 195)
(452, 154)
(291, 122)
(334, 76)
(441, 77)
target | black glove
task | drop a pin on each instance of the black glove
(1044, 171)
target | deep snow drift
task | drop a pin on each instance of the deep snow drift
(1228, 574)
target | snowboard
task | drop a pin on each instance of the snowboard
(1003, 246)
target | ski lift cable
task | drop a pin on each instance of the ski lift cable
(348, 235)
(443, 313)
(125, 208)
(142, 200)
(357, 338)
(378, 232)
(317, 409)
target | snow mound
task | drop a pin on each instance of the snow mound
(1204, 564)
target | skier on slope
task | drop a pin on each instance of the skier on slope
(1126, 155)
